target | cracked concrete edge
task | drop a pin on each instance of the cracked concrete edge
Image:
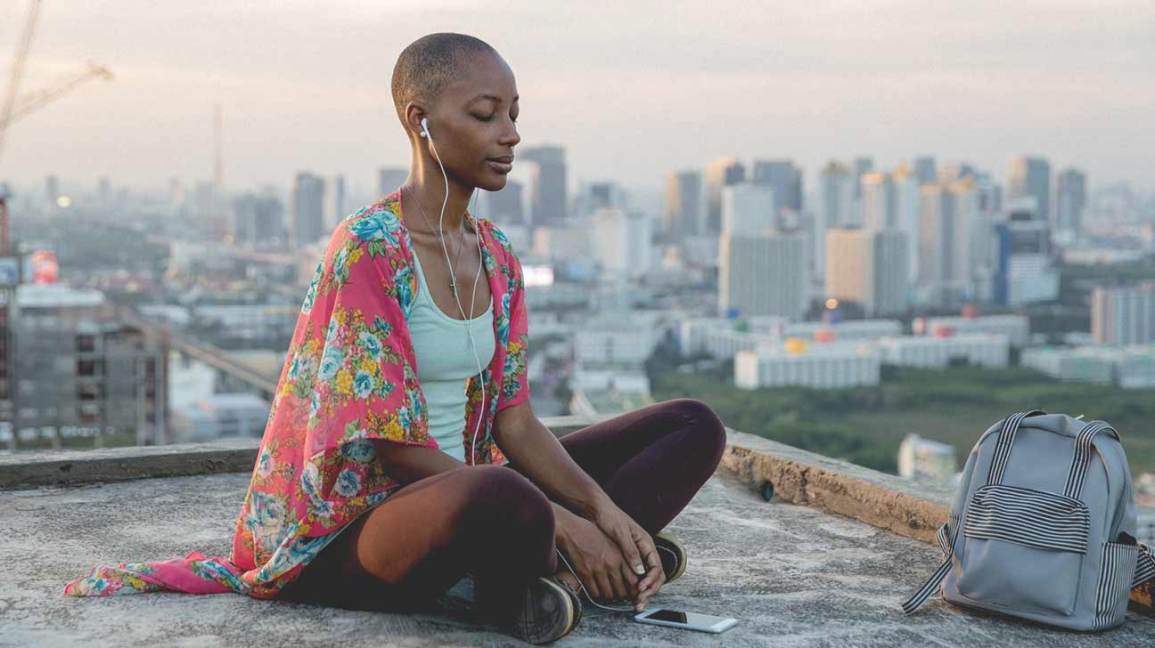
(25, 470)
(907, 508)
(911, 509)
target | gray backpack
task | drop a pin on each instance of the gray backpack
(1043, 526)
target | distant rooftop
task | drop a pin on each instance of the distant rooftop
(793, 575)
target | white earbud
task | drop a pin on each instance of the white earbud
(424, 127)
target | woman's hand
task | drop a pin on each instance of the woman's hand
(597, 560)
(643, 566)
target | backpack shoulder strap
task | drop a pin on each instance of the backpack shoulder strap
(1145, 567)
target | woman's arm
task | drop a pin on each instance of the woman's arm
(409, 463)
(529, 444)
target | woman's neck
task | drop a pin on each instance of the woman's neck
(423, 194)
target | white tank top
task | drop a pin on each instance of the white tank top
(445, 362)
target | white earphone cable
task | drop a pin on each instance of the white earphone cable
(456, 296)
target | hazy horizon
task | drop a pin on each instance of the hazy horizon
(633, 92)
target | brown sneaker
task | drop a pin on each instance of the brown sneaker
(542, 612)
(672, 554)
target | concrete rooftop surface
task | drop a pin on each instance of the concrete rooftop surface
(792, 575)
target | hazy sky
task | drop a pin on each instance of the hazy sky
(633, 89)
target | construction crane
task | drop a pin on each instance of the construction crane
(16, 107)
(33, 101)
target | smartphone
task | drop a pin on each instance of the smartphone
(686, 620)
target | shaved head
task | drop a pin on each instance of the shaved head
(430, 63)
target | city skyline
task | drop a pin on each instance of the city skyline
(892, 81)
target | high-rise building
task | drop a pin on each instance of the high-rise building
(683, 210)
(389, 179)
(867, 267)
(748, 209)
(835, 208)
(952, 171)
(505, 207)
(945, 211)
(879, 201)
(258, 221)
(784, 178)
(1122, 315)
(548, 187)
(1070, 202)
(1031, 177)
(603, 194)
(719, 175)
(761, 271)
(1024, 270)
(862, 166)
(907, 215)
(308, 209)
(334, 202)
(624, 247)
(767, 274)
(924, 170)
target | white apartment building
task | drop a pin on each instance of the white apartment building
(937, 352)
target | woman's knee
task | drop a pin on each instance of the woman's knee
(706, 430)
(500, 495)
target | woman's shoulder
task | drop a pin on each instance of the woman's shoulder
(375, 222)
(500, 240)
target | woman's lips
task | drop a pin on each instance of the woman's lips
(501, 167)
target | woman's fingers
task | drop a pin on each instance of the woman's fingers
(624, 538)
(605, 588)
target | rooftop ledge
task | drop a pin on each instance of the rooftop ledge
(826, 562)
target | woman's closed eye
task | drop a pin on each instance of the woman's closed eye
(489, 118)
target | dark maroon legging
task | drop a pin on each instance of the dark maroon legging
(493, 522)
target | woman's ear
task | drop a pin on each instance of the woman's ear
(414, 113)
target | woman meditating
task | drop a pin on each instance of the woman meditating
(401, 452)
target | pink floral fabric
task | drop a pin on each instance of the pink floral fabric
(349, 381)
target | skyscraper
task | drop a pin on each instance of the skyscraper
(308, 209)
(1070, 201)
(623, 248)
(879, 202)
(683, 210)
(766, 274)
(602, 194)
(1031, 177)
(1024, 271)
(906, 197)
(548, 189)
(505, 207)
(862, 166)
(784, 178)
(924, 169)
(835, 207)
(944, 250)
(761, 271)
(867, 267)
(258, 221)
(720, 174)
(748, 209)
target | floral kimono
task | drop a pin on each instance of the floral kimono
(349, 379)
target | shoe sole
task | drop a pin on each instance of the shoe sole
(530, 612)
(670, 546)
